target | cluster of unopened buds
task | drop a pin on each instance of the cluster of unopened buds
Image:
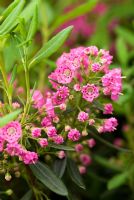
(81, 86)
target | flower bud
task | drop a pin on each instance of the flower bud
(8, 176)
(9, 192)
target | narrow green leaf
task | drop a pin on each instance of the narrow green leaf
(52, 45)
(117, 180)
(10, 21)
(60, 166)
(33, 26)
(27, 196)
(9, 9)
(126, 34)
(62, 147)
(9, 117)
(80, 10)
(122, 52)
(13, 75)
(74, 173)
(42, 172)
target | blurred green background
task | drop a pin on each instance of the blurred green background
(107, 24)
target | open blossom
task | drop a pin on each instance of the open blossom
(112, 83)
(58, 139)
(74, 135)
(90, 92)
(85, 159)
(12, 132)
(108, 108)
(38, 99)
(29, 157)
(36, 132)
(60, 95)
(14, 149)
(51, 131)
(65, 74)
(110, 124)
(46, 121)
(96, 67)
(82, 116)
(43, 142)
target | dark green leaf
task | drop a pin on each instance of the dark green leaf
(62, 147)
(10, 21)
(60, 166)
(27, 196)
(52, 45)
(48, 178)
(117, 181)
(9, 117)
(74, 173)
(80, 10)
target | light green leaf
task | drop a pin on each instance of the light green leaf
(9, 9)
(117, 180)
(27, 196)
(9, 117)
(60, 166)
(13, 75)
(10, 21)
(126, 34)
(80, 10)
(74, 173)
(42, 172)
(61, 147)
(122, 52)
(52, 45)
(33, 25)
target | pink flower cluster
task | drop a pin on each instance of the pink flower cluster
(9, 143)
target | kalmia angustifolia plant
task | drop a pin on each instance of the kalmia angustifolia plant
(61, 122)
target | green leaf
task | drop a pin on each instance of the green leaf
(27, 196)
(80, 10)
(126, 34)
(117, 181)
(33, 25)
(61, 147)
(60, 166)
(10, 21)
(122, 52)
(48, 178)
(52, 45)
(9, 117)
(9, 9)
(74, 173)
(13, 75)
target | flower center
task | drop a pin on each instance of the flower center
(11, 130)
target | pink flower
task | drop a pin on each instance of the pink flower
(49, 107)
(77, 87)
(43, 142)
(110, 124)
(83, 116)
(51, 131)
(64, 74)
(14, 149)
(12, 131)
(91, 142)
(61, 154)
(36, 132)
(78, 147)
(29, 157)
(15, 105)
(112, 83)
(92, 50)
(74, 135)
(61, 95)
(58, 139)
(82, 169)
(108, 108)
(90, 92)
(46, 121)
(38, 99)
(91, 122)
(96, 67)
(85, 159)
(1, 143)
